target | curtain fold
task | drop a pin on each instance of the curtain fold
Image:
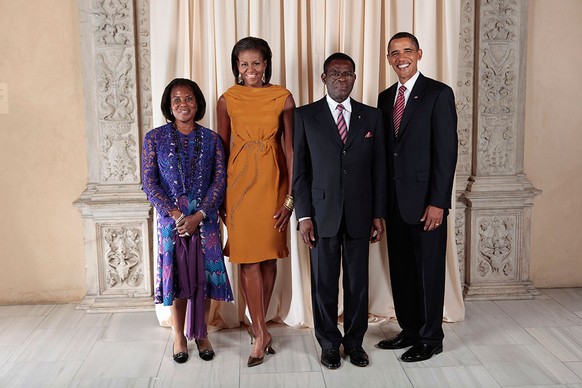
(194, 39)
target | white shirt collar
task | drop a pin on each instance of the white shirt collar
(347, 103)
(410, 83)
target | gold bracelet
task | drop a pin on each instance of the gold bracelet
(288, 202)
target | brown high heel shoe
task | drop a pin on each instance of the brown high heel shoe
(254, 361)
(251, 334)
(270, 349)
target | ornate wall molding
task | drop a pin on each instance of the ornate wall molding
(116, 214)
(498, 196)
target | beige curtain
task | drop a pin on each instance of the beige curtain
(194, 39)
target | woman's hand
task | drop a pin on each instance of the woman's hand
(187, 225)
(282, 216)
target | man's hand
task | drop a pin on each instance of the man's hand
(307, 232)
(432, 217)
(377, 230)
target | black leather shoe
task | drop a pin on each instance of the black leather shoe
(421, 352)
(180, 357)
(358, 356)
(330, 359)
(398, 342)
(205, 354)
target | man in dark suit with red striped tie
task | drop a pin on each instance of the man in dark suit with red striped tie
(421, 131)
(339, 188)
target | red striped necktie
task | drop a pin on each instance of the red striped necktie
(398, 109)
(341, 123)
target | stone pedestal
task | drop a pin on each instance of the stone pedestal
(116, 214)
(495, 197)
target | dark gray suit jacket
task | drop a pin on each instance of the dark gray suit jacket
(331, 179)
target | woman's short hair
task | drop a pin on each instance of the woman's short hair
(166, 104)
(251, 43)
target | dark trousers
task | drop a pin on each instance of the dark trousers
(327, 256)
(417, 272)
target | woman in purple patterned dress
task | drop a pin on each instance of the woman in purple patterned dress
(184, 178)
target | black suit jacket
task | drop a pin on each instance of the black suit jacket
(330, 178)
(422, 160)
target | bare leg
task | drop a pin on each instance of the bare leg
(204, 343)
(252, 286)
(178, 311)
(269, 273)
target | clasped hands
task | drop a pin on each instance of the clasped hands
(186, 225)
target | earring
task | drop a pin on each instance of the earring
(240, 79)
(263, 79)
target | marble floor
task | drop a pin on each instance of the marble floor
(533, 343)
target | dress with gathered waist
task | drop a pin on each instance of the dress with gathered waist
(257, 179)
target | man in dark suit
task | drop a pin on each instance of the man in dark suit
(339, 188)
(421, 131)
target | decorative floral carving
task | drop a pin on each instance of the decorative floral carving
(460, 241)
(113, 17)
(116, 85)
(497, 144)
(464, 91)
(143, 49)
(498, 77)
(119, 150)
(496, 254)
(122, 257)
(116, 80)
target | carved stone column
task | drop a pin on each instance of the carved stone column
(498, 197)
(116, 214)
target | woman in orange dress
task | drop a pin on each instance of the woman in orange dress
(255, 120)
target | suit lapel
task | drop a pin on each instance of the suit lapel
(357, 119)
(325, 118)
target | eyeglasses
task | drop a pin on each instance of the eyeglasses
(344, 74)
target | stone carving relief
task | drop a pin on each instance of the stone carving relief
(116, 90)
(143, 41)
(460, 240)
(497, 144)
(122, 254)
(118, 148)
(496, 246)
(498, 86)
(464, 92)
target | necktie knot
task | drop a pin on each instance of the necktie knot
(340, 107)
(401, 89)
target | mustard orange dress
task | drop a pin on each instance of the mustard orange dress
(257, 179)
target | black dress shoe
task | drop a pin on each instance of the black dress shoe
(358, 356)
(398, 342)
(421, 352)
(205, 354)
(180, 357)
(330, 359)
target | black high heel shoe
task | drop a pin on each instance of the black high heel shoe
(254, 361)
(206, 354)
(270, 349)
(180, 357)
